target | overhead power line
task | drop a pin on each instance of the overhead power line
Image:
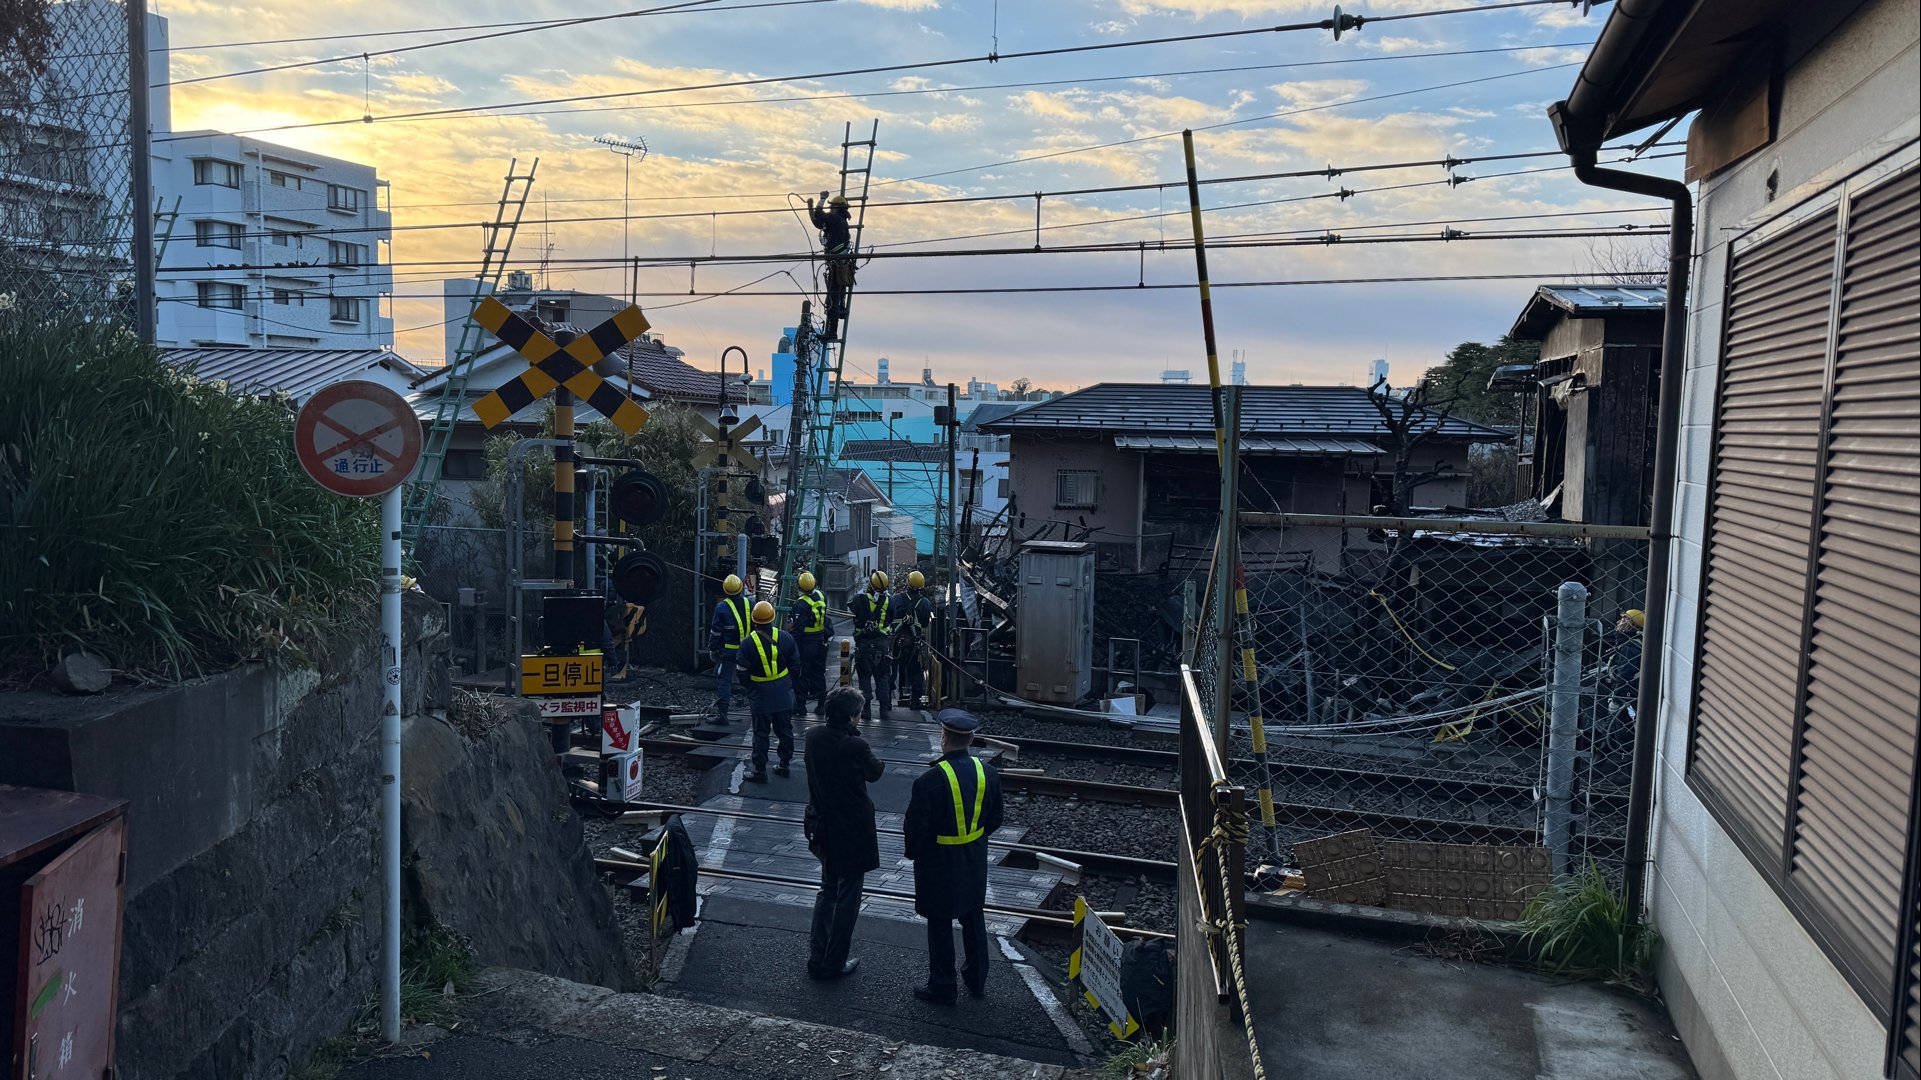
(1345, 22)
(826, 97)
(524, 28)
(1328, 239)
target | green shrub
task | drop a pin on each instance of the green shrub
(1579, 927)
(161, 522)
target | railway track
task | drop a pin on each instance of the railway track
(1312, 798)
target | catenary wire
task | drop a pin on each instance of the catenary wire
(1061, 50)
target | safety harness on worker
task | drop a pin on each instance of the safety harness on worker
(817, 604)
(738, 606)
(970, 829)
(880, 606)
(770, 668)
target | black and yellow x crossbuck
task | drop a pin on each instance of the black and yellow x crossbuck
(552, 365)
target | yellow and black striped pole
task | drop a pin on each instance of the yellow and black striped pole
(564, 486)
(1207, 296)
(1250, 674)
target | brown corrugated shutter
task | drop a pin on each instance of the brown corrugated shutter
(1760, 511)
(1850, 827)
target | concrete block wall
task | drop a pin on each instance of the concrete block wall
(252, 927)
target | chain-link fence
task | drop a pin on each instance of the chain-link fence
(66, 160)
(1451, 703)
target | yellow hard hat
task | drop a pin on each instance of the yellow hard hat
(732, 585)
(916, 579)
(878, 581)
(806, 581)
(1636, 616)
(763, 613)
(838, 200)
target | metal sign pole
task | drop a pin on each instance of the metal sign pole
(363, 440)
(390, 766)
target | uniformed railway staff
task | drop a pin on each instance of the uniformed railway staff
(954, 808)
(913, 614)
(840, 829)
(725, 632)
(767, 662)
(873, 657)
(813, 629)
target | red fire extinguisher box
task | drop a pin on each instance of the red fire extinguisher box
(63, 859)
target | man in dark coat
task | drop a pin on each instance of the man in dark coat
(954, 808)
(840, 830)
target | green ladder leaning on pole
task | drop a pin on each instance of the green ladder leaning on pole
(418, 500)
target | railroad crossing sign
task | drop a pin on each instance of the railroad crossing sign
(551, 365)
(357, 438)
(730, 445)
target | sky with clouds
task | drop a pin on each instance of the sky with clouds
(1389, 92)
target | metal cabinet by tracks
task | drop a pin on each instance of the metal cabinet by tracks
(1055, 621)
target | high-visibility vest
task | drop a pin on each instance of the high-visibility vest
(770, 668)
(817, 604)
(970, 828)
(740, 619)
(879, 606)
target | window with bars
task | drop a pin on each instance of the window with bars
(1075, 489)
(1807, 674)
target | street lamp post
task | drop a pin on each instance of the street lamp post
(628, 149)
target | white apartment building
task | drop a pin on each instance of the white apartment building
(264, 245)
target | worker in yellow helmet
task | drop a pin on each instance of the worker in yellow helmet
(835, 222)
(767, 663)
(873, 655)
(725, 632)
(812, 629)
(913, 615)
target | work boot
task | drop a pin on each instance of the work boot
(782, 769)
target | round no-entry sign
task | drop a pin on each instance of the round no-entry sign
(357, 438)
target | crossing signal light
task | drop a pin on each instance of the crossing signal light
(639, 577)
(638, 498)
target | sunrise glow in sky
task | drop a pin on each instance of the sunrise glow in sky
(1385, 93)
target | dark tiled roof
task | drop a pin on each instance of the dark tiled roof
(990, 410)
(1182, 408)
(891, 450)
(665, 375)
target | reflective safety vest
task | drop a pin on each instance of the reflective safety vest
(737, 605)
(970, 829)
(817, 604)
(880, 607)
(770, 668)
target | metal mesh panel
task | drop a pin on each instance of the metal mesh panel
(66, 161)
(1437, 701)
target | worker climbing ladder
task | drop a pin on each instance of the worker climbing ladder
(498, 242)
(819, 361)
